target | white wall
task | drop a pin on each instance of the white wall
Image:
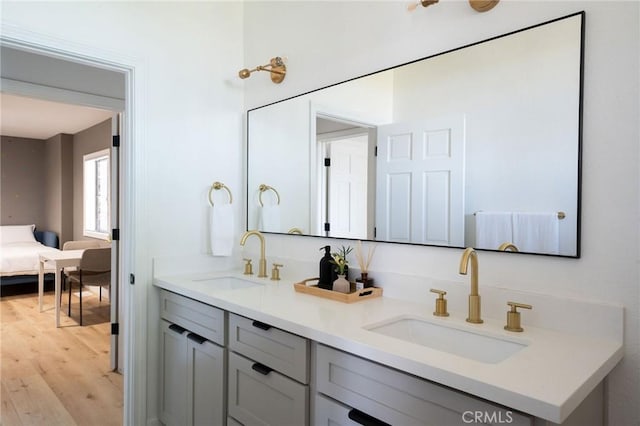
(519, 95)
(280, 135)
(274, 135)
(327, 42)
(187, 123)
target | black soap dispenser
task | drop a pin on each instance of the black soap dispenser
(327, 274)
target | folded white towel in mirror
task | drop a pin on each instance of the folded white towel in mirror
(493, 229)
(221, 226)
(270, 218)
(536, 232)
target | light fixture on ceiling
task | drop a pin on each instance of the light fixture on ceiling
(478, 5)
(276, 68)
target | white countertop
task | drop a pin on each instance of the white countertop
(548, 378)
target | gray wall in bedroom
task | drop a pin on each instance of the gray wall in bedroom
(90, 140)
(21, 190)
(42, 180)
(58, 181)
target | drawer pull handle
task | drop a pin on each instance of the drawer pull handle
(365, 419)
(261, 325)
(196, 338)
(177, 328)
(261, 368)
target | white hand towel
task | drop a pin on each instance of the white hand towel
(536, 232)
(493, 229)
(270, 218)
(221, 225)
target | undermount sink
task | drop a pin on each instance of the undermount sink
(227, 283)
(445, 338)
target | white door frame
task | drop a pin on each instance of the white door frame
(117, 347)
(132, 228)
(315, 171)
(324, 145)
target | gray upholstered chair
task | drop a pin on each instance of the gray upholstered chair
(81, 244)
(94, 269)
(75, 245)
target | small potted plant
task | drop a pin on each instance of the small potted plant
(339, 259)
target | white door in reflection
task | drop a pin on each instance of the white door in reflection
(420, 176)
(347, 183)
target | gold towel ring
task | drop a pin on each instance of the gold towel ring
(217, 186)
(264, 188)
(508, 246)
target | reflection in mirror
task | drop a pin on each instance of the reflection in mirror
(475, 147)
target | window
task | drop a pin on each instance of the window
(96, 194)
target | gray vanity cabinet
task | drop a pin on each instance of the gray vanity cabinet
(173, 370)
(329, 412)
(192, 376)
(364, 391)
(220, 368)
(268, 375)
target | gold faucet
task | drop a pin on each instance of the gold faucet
(474, 296)
(262, 266)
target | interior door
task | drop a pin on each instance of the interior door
(116, 355)
(420, 176)
(347, 187)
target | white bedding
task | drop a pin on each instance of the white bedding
(21, 258)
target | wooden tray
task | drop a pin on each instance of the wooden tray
(356, 296)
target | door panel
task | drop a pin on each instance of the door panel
(420, 168)
(347, 187)
(435, 208)
(398, 207)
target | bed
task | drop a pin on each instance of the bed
(20, 246)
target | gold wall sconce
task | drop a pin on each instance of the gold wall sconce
(477, 5)
(276, 68)
(483, 5)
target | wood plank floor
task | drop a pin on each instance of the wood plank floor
(57, 376)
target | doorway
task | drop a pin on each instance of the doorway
(344, 160)
(344, 193)
(86, 82)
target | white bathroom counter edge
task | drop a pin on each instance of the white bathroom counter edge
(547, 379)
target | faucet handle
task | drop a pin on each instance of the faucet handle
(441, 303)
(513, 316)
(248, 268)
(275, 272)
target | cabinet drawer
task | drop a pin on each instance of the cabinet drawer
(277, 349)
(331, 413)
(260, 397)
(399, 398)
(200, 318)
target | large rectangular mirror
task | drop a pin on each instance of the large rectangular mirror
(475, 147)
